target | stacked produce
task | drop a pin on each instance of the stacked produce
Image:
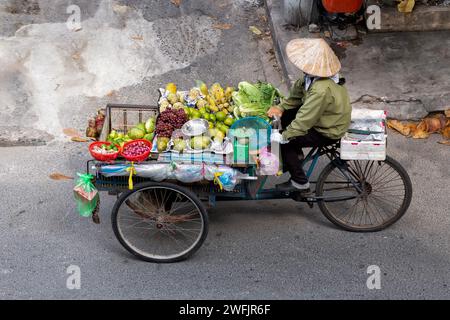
(140, 131)
(254, 100)
(168, 121)
(105, 149)
(214, 104)
(135, 149)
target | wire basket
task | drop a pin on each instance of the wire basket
(123, 117)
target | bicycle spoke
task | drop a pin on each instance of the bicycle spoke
(381, 199)
(160, 222)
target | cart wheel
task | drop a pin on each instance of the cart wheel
(160, 222)
(386, 196)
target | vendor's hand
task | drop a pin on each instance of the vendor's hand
(274, 112)
(278, 138)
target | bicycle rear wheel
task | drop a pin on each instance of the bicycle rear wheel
(160, 222)
(385, 197)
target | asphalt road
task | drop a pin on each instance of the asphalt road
(269, 249)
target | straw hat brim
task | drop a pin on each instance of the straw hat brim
(314, 57)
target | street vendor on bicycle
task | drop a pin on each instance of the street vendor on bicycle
(316, 113)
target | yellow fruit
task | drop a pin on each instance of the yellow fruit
(211, 102)
(228, 93)
(204, 89)
(217, 92)
(171, 87)
(173, 98)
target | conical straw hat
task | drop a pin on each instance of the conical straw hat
(314, 57)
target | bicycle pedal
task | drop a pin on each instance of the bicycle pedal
(302, 196)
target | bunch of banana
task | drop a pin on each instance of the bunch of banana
(217, 98)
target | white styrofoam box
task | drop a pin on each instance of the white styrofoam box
(368, 114)
(363, 150)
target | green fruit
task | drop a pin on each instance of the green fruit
(149, 136)
(206, 116)
(222, 127)
(202, 110)
(162, 143)
(200, 143)
(179, 145)
(113, 134)
(229, 121)
(196, 114)
(150, 125)
(136, 133)
(186, 110)
(220, 116)
(141, 126)
(213, 131)
(212, 117)
(211, 125)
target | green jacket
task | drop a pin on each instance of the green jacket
(325, 107)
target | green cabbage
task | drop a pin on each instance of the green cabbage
(254, 99)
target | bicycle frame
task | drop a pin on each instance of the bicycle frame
(312, 157)
(116, 185)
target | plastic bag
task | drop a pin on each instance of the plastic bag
(188, 173)
(116, 170)
(367, 126)
(86, 195)
(223, 176)
(155, 171)
(268, 163)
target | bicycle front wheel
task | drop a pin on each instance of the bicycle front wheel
(160, 222)
(385, 195)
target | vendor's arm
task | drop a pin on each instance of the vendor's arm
(295, 98)
(308, 115)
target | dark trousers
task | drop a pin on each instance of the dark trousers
(292, 152)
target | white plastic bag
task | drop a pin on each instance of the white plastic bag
(154, 171)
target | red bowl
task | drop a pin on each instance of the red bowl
(103, 157)
(141, 157)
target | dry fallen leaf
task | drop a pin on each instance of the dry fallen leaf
(445, 142)
(400, 127)
(71, 132)
(59, 176)
(420, 134)
(79, 139)
(176, 2)
(76, 56)
(255, 30)
(138, 38)
(447, 113)
(412, 127)
(222, 26)
(446, 132)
